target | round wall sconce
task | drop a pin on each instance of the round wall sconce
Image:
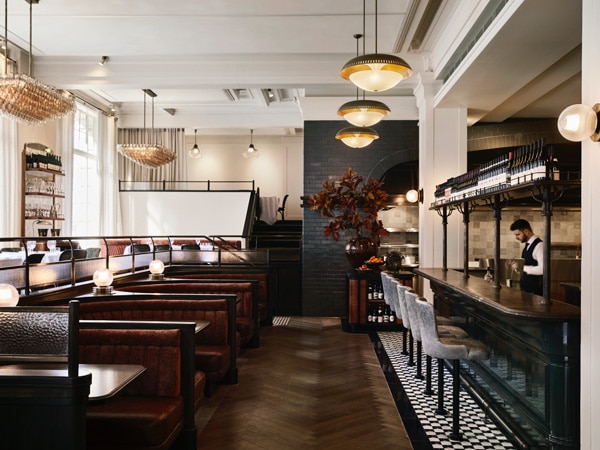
(414, 196)
(579, 122)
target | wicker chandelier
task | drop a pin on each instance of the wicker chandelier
(25, 99)
(148, 155)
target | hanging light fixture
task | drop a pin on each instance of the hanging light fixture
(26, 99)
(376, 72)
(251, 151)
(195, 152)
(363, 113)
(148, 155)
(357, 137)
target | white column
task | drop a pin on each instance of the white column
(590, 236)
(442, 154)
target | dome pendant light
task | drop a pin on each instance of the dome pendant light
(363, 113)
(376, 72)
(195, 152)
(357, 137)
(251, 151)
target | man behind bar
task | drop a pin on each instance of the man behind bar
(533, 254)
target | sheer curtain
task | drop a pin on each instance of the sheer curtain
(64, 142)
(10, 194)
(172, 138)
(110, 205)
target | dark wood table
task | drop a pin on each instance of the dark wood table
(107, 379)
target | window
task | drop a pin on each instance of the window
(86, 180)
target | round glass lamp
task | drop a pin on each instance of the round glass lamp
(376, 72)
(363, 113)
(412, 196)
(103, 279)
(9, 296)
(195, 152)
(579, 122)
(156, 267)
(357, 137)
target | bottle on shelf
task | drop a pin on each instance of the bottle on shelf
(488, 275)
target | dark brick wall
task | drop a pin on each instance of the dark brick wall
(324, 262)
(486, 136)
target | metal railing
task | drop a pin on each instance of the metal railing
(121, 254)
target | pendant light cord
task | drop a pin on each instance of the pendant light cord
(5, 37)
(375, 26)
(364, 27)
(30, 33)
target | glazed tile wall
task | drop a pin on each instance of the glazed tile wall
(565, 232)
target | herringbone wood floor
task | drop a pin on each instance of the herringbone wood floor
(308, 386)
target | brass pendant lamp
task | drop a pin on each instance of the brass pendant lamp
(357, 137)
(25, 99)
(376, 72)
(148, 155)
(363, 113)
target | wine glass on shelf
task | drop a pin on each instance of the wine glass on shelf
(31, 245)
(51, 245)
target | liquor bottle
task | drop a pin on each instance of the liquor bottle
(392, 316)
(380, 314)
(488, 275)
(370, 315)
(386, 315)
(370, 292)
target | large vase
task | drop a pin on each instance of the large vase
(359, 250)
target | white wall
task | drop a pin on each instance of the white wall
(184, 213)
(276, 172)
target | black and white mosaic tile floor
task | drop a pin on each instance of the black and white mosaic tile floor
(426, 429)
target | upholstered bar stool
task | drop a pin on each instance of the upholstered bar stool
(451, 348)
(400, 292)
(390, 294)
(445, 330)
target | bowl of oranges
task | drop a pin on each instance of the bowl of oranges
(374, 262)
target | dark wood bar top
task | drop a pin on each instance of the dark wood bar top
(508, 301)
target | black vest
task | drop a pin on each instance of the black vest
(531, 283)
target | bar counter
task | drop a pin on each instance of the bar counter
(507, 301)
(532, 378)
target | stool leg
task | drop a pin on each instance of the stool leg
(419, 375)
(411, 350)
(428, 390)
(456, 435)
(404, 337)
(440, 406)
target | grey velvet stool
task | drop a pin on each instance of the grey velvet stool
(401, 291)
(451, 348)
(390, 294)
(445, 330)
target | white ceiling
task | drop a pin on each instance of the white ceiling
(213, 61)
